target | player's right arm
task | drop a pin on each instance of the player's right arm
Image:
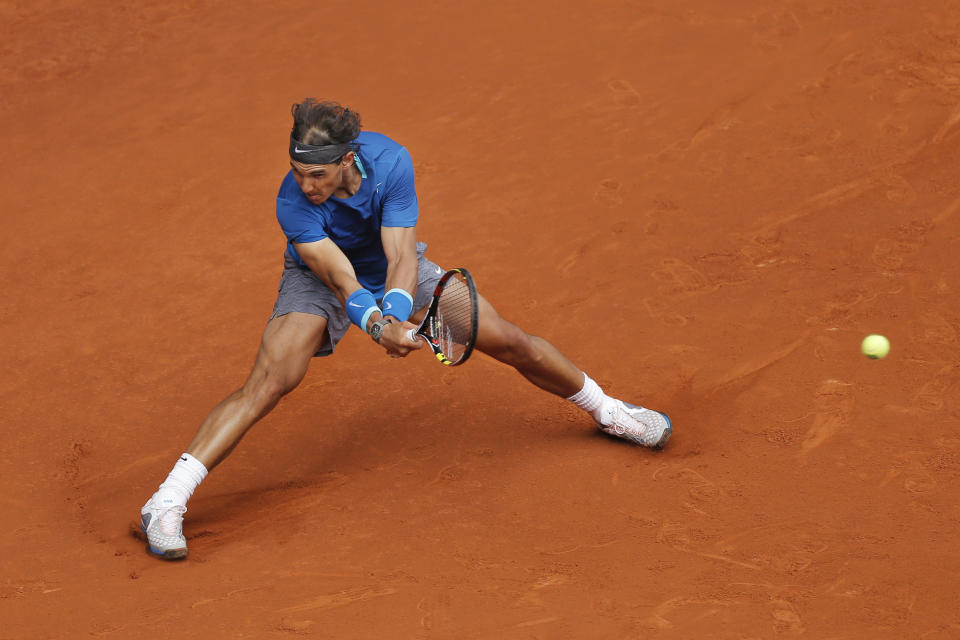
(332, 266)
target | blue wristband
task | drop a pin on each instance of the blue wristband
(360, 305)
(398, 303)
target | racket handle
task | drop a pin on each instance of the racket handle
(411, 335)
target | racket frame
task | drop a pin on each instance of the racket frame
(430, 325)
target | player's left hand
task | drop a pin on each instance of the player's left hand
(396, 341)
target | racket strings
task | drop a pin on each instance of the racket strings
(455, 312)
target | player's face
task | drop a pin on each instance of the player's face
(320, 181)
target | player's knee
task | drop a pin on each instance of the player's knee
(267, 390)
(275, 388)
(515, 347)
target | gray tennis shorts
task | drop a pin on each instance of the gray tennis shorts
(301, 290)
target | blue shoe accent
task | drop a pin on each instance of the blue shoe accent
(666, 432)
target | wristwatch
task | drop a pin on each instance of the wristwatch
(376, 330)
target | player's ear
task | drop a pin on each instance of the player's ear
(347, 160)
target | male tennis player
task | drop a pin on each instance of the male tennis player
(349, 210)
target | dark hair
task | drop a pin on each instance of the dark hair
(318, 122)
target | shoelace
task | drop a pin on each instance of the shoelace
(171, 518)
(638, 428)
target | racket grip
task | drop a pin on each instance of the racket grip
(411, 335)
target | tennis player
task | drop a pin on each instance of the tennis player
(349, 210)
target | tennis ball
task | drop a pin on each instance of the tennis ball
(875, 346)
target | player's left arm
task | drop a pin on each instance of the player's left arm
(400, 247)
(398, 235)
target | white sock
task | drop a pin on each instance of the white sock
(593, 400)
(182, 481)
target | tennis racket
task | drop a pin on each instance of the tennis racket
(450, 326)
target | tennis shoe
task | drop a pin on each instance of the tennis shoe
(634, 423)
(162, 522)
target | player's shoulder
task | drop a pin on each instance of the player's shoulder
(290, 198)
(374, 140)
(380, 149)
(289, 189)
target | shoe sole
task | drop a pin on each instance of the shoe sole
(171, 554)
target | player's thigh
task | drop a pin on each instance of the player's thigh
(495, 334)
(417, 316)
(288, 344)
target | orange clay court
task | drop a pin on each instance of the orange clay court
(705, 205)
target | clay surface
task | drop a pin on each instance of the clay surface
(705, 205)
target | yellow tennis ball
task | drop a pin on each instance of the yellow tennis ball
(875, 346)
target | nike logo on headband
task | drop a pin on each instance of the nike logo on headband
(299, 150)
